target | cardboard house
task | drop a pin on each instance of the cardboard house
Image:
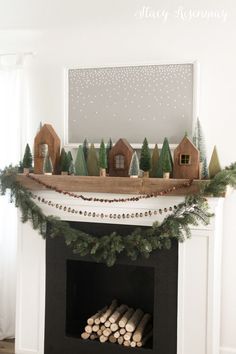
(119, 158)
(46, 136)
(186, 160)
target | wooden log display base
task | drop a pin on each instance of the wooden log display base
(119, 324)
(115, 185)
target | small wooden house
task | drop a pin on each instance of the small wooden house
(119, 158)
(186, 160)
(48, 138)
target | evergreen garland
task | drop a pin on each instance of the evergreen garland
(140, 242)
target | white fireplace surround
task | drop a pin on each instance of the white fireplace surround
(199, 273)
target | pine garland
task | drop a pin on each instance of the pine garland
(140, 242)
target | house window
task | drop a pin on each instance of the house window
(119, 162)
(185, 159)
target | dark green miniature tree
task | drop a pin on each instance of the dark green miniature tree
(214, 166)
(85, 148)
(199, 142)
(145, 157)
(71, 168)
(108, 149)
(92, 162)
(162, 159)
(80, 163)
(102, 156)
(27, 159)
(69, 157)
(64, 162)
(155, 159)
(166, 165)
(70, 163)
(134, 165)
(47, 165)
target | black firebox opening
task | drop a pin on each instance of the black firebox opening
(91, 286)
(76, 287)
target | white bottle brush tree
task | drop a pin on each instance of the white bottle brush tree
(199, 142)
(47, 165)
(134, 166)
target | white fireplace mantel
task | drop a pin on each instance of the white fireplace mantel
(199, 272)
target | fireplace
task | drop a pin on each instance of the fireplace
(77, 287)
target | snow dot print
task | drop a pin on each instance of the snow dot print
(131, 102)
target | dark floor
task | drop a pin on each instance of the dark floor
(7, 347)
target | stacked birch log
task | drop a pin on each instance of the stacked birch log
(119, 324)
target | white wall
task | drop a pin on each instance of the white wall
(105, 32)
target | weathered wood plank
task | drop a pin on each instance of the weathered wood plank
(115, 185)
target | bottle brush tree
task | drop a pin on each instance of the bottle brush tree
(134, 165)
(80, 163)
(69, 157)
(108, 149)
(47, 165)
(92, 162)
(145, 157)
(155, 158)
(64, 162)
(214, 166)
(162, 159)
(70, 163)
(166, 165)
(85, 148)
(102, 156)
(27, 159)
(199, 142)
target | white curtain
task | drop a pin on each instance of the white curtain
(11, 83)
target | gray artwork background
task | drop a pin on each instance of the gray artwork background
(132, 102)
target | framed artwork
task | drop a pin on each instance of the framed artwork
(132, 102)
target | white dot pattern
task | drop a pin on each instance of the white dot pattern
(131, 102)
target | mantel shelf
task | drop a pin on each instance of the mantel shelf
(114, 185)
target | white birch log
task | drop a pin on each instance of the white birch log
(95, 328)
(109, 311)
(138, 334)
(114, 327)
(125, 318)
(107, 332)
(88, 329)
(107, 324)
(97, 315)
(126, 343)
(120, 340)
(134, 321)
(103, 338)
(127, 336)
(93, 336)
(85, 335)
(116, 334)
(145, 339)
(99, 332)
(133, 344)
(122, 331)
(112, 339)
(119, 311)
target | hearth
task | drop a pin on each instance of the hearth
(77, 287)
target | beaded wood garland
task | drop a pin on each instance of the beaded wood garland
(93, 214)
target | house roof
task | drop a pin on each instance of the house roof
(124, 142)
(186, 140)
(49, 127)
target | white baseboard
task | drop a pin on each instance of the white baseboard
(224, 350)
(26, 351)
